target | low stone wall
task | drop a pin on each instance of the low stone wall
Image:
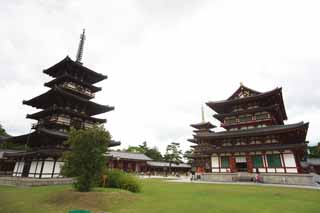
(17, 181)
(290, 179)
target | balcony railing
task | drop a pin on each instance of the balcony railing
(78, 88)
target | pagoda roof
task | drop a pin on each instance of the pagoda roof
(50, 111)
(167, 164)
(240, 90)
(255, 131)
(128, 155)
(260, 147)
(37, 137)
(65, 77)
(48, 99)
(39, 152)
(67, 64)
(203, 125)
(225, 106)
(41, 135)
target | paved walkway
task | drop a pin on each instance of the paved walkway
(183, 180)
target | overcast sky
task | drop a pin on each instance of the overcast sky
(164, 59)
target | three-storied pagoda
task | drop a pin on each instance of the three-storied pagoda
(67, 104)
(256, 138)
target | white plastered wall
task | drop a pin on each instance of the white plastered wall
(47, 168)
(33, 168)
(18, 168)
(215, 163)
(289, 161)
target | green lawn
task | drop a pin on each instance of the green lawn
(162, 197)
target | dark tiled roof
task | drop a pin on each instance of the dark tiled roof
(128, 155)
(48, 99)
(59, 68)
(254, 131)
(43, 132)
(205, 125)
(166, 164)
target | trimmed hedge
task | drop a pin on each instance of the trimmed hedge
(119, 179)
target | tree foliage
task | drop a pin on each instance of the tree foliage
(86, 159)
(314, 151)
(2, 131)
(9, 145)
(152, 153)
(173, 154)
(188, 156)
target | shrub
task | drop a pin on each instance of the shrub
(119, 179)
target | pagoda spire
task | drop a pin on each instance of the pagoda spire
(80, 48)
(202, 114)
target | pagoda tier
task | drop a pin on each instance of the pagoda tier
(272, 110)
(68, 66)
(59, 97)
(56, 111)
(203, 125)
(74, 86)
(43, 139)
(292, 133)
(68, 78)
(244, 98)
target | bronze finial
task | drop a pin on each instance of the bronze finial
(80, 48)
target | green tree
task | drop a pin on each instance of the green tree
(86, 161)
(314, 151)
(188, 156)
(154, 154)
(173, 154)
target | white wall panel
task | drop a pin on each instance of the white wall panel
(32, 169)
(289, 160)
(215, 161)
(47, 168)
(292, 170)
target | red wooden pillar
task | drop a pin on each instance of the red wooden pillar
(232, 162)
(297, 159)
(249, 163)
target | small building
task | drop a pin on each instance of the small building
(255, 137)
(140, 163)
(163, 167)
(128, 161)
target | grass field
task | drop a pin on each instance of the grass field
(162, 197)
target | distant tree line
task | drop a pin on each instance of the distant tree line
(314, 151)
(9, 145)
(173, 153)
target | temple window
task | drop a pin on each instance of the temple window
(230, 120)
(257, 161)
(224, 162)
(262, 116)
(245, 118)
(274, 161)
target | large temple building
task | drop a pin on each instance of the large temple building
(255, 139)
(68, 103)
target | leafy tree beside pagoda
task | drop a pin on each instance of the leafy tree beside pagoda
(86, 161)
(173, 154)
(188, 156)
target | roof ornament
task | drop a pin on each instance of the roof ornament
(202, 114)
(241, 83)
(80, 48)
